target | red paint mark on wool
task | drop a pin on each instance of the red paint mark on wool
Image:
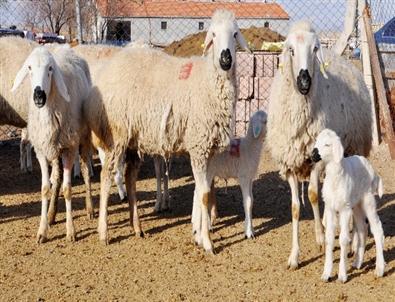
(235, 147)
(185, 71)
(300, 38)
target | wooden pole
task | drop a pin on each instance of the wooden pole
(367, 72)
(379, 83)
(349, 25)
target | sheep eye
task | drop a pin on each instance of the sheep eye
(291, 51)
(50, 68)
(235, 35)
(30, 68)
(315, 49)
(213, 35)
(327, 145)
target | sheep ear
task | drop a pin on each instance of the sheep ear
(338, 151)
(20, 76)
(57, 76)
(208, 42)
(321, 60)
(242, 42)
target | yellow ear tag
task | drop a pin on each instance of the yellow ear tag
(202, 45)
(281, 66)
(323, 66)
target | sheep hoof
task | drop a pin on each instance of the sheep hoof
(210, 252)
(342, 279)
(41, 238)
(379, 271)
(292, 265)
(70, 238)
(104, 241)
(140, 234)
(90, 216)
(124, 199)
(325, 278)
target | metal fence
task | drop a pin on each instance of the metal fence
(178, 27)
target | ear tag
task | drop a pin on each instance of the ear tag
(323, 66)
(257, 130)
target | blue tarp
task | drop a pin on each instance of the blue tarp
(386, 34)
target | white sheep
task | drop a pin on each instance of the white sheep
(349, 187)
(60, 82)
(241, 161)
(157, 104)
(313, 89)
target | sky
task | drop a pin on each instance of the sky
(326, 15)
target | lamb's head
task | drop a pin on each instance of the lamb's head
(257, 125)
(328, 147)
(301, 49)
(43, 69)
(221, 37)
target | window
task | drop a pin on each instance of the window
(201, 25)
(266, 24)
(163, 25)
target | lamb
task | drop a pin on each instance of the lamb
(153, 103)
(349, 187)
(60, 82)
(313, 89)
(240, 161)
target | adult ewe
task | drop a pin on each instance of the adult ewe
(305, 98)
(60, 82)
(157, 104)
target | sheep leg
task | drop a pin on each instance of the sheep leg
(212, 205)
(369, 206)
(246, 189)
(361, 232)
(293, 258)
(45, 192)
(158, 174)
(329, 243)
(313, 198)
(118, 179)
(196, 216)
(132, 169)
(202, 196)
(166, 197)
(29, 163)
(85, 156)
(77, 167)
(344, 239)
(68, 160)
(56, 183)
(105, 186)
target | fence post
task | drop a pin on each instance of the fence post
(349, 25)
(379, 83)
(78, 20)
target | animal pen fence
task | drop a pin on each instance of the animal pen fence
(178, 27)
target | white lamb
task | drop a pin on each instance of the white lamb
(156, 104)
(240, 161)
(349, 187)
(60, 82)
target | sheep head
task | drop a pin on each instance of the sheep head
(257, 125)
(222, 36)
(328, 147)
(301, 49)
(43, 69)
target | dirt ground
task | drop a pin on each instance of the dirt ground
(166, 265)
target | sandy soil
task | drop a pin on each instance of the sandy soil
(166, 265)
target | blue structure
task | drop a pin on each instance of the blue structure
(386, 35)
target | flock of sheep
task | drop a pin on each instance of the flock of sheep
(136, 100)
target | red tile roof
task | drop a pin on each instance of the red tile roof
(188, 9)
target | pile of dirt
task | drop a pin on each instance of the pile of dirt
(193, 44)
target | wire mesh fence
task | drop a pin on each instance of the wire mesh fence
(178, 27)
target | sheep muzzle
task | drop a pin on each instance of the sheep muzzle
(315, 155)
(304, 81)
(39, 97)
(225, 61)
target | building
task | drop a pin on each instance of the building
(161, 22)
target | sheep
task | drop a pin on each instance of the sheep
(313, 89)
(60, 82)
(240, 161)
(349, 187)
(153, 103)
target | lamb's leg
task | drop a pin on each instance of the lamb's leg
(202, 196)
(105, 186)
(45, 192)
(85, 156)
(293, 258)
(56, 175)
(313, 198)
(118, 178)
(77, 167)
(360, 233)
(68, 160)
(196, 216)
(329, 243)
(29, 163)
(344, 240)
(212, 205)
(158, 174)
(369, 206)
(166, 197)
(246, 189)
(132, 168)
